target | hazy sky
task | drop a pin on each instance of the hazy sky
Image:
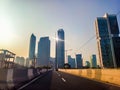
(20, 18)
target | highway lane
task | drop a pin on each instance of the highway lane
(61, 81)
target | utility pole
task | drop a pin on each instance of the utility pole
(56, 62)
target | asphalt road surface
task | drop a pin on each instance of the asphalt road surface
(55, 80)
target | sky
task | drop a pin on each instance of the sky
(20, 18)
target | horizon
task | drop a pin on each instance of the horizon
(19, 19)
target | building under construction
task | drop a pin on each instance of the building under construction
(6, 59)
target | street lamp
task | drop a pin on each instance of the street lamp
(56, 63)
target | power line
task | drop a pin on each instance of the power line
(85, 43)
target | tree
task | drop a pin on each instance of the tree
(67, 66)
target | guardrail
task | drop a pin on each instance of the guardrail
(12, 77)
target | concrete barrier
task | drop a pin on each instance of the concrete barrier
(105, 75)
(30, 73)
(20, 75)
(9, 79)
(3, 78)
(12, 77)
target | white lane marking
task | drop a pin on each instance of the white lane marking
(63, 79)
(58, 74)
(29, 83)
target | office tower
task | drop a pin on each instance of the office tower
(52, 62)
(43, 52)
(93, 61)
(71, 61)
(108, 41)
(32, 47)
(116, 48)
(87, 64)
(60, 49)
(79, 61)
(20, 60)
(115, 39)
(29, 63)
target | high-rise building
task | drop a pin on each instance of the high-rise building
(87, 64)
(71, 61)
(79, 60)
(116, 47)
(32, 47)
(52, 62)
(20, 60)
(115, 39)
(60, 49)
(93, 61)
(108, 41)
(43, 56)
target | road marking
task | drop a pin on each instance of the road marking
(63, 79)
(58, 74)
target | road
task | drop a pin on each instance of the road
(55, 80)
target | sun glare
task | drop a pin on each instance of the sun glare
(6, 32)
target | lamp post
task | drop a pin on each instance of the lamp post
(56, 62)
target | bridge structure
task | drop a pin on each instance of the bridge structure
(6, 58)
(63, 79)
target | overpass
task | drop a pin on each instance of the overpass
(63, 79)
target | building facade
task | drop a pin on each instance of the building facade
(107, 33)
(60, 49)
(7, 59)
(20, 60)
(79, 61)
(116, 47)
(32, 47)
(43, 55)
(71, 61)
(93, 61)
(87, 64)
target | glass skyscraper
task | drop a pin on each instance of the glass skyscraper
(60, 49)
(71, 61)
(93, 61)
(43, 55)
(87, 64)
(107, 32)
(79, 60)
(32, 46)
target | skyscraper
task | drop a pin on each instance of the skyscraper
(79, 61)
(87, 64)
(32, 46)
(71, 61)
(20, 60)
(108, 41)
(43, 56)
(93, 61)
(115, 39)
(60, 49)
